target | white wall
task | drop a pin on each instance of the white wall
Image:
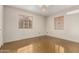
(1, 25)
(71, 27)
(41, 25)
(11, 31)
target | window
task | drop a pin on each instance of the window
(59, 23)
(25, 22)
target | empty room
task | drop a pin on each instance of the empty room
(39, 28)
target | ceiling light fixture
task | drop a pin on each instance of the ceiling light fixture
(44, 8)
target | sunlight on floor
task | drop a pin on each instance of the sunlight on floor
(28, 49)
(59, 49)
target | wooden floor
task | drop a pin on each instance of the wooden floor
(44, 44)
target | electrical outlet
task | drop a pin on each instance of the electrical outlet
(39, 33)
(46, 32)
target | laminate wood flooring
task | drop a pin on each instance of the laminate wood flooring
(42, 44)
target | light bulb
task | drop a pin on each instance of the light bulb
(44, 8)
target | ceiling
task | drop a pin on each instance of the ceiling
(36, 8)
